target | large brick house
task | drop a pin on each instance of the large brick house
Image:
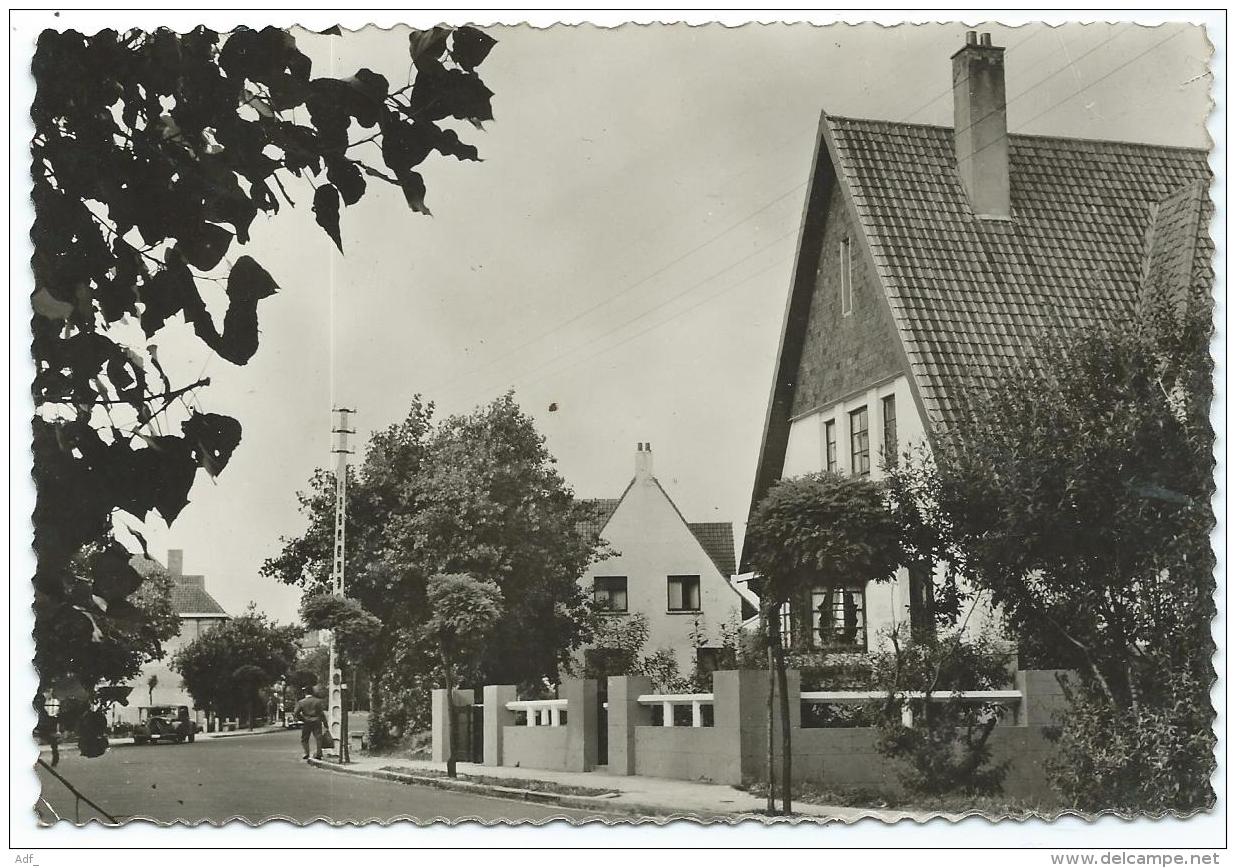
(930, 257)
(674, 572)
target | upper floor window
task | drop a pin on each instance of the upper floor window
(847, 278)
(830, 446)
(889, 407)
(684, 593)
(839, 617)
(860, 444)
(609, 593)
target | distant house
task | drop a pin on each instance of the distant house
(199, 612)
(929, 258)
(674, 572)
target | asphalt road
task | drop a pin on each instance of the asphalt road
(253, 778)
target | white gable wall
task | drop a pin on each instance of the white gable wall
(653, 543)
(888, 604)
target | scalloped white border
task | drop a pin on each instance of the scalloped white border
(1206, 831)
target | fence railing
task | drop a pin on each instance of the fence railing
(668, 701)
(843, 697)
(541, 712)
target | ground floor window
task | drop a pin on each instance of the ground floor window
(711, 659)
(786, 620)
(839, 617)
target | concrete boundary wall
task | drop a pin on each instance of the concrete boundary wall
(734, 750)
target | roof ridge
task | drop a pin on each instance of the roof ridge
(1012, 135)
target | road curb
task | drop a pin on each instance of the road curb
(212, 736)
(600, 804)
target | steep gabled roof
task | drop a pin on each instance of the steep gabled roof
(189, 598)
(189, 595)
(717, 539)
(1092, 223)
(599, 510)
(969, 295)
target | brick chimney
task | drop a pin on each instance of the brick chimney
(176, 561)
(980, 125)
(643, 460)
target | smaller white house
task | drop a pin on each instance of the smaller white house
(674, 572)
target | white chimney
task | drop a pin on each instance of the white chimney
(643, 459)
(980, 125)
(176, 561)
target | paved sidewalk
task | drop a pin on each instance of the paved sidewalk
(661, 798)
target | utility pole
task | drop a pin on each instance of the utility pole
(338, 716)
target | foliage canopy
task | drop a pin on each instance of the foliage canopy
(1078, 494)
(218, 668)
(152, 159)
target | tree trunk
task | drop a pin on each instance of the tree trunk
(377, 729)
(450, 714)
(786, 757)
(771, 626)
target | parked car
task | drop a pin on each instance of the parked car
(290, 721)
(164, 723)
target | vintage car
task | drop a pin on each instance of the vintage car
(164, 723)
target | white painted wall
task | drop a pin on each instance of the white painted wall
(169, 690)
(888, 604)
(653, 543)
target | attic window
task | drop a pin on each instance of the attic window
(845, 263)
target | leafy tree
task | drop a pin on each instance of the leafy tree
(211, 665)
(819, 529)
(464, 611)
(380, 489)
(153, 155)
(616, 644)
(151, 683)
(945, 749)
(247, 684)
(1078, 493)
(491, 504)
(354, 629)
(476, 494)
(108, 647)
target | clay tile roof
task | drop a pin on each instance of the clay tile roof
(600, 510)
(717, 538)
(189, 595)
(1178, 255)
(969, 295)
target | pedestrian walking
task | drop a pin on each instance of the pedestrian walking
(311, 712)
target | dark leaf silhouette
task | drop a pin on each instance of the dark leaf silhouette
(326, 212)
(469, 47)
(213, 438)
(152, 155)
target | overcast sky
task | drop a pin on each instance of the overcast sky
(622, 252)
